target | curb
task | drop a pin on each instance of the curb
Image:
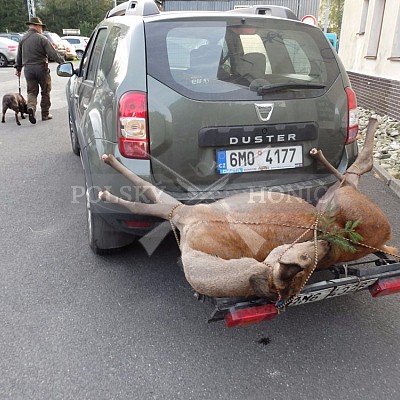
(388, 179)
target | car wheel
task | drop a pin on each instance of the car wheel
(96, 226)
(73, 136)
(103, 238)
(79, 54)
(3, 60)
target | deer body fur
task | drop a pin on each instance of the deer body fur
(264, 244)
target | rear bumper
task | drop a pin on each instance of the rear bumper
(123, 221)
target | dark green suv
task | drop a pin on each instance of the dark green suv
(205, 105)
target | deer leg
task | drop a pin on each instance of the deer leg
(364, 161)
(150, 191)
(217, 277)
(156, 210)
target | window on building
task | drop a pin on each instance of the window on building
(395, 56)
(376, 27)
(364, 15)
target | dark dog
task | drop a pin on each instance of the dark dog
(16, 102)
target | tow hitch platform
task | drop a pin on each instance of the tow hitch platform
(381, 276)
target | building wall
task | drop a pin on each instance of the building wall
(299, 7)
(375, 78)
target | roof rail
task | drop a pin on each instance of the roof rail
(134, 7)
(272, 11)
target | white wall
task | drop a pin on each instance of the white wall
(353, 46)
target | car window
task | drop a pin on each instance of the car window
(53, 37)
(95, 54)
(224, 60)
(107, 59)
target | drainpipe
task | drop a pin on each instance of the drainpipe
(327, 9)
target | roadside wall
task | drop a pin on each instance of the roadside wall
(370, 51)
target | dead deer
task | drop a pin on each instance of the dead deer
(238, 246)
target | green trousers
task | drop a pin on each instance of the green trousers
(37, 76)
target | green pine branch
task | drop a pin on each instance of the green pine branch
(344, 238)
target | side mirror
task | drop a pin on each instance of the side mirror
(66, 70)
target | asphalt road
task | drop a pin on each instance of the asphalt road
(78, 326)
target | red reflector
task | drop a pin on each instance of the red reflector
(385, 287)
(138, 224)
(251, 315)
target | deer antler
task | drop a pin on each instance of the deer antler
(318, 155)
(363, 163)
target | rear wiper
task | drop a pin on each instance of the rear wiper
(276, 87)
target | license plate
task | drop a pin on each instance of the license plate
(333, 291)
(250, 160)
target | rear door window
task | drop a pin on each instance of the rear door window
(96, 54)
(229, 60)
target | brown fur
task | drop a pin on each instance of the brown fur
(15, 102)
(241, 247)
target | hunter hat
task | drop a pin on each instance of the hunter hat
(35, 21)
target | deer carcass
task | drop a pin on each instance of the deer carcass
(266, 245)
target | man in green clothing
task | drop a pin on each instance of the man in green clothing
(34, 53)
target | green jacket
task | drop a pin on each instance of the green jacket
(35, 49)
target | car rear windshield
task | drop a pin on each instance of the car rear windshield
(234, 60)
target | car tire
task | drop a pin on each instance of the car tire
(79, 54)
(76, 149)
(96, 227)
(3, 60)
(103, 238)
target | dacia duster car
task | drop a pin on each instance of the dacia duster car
(205, 105)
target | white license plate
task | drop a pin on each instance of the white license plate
(250, 160)
(334, 291)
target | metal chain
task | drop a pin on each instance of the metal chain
(314, 227)
(170, 215)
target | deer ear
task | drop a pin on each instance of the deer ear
(263, 286)
(287, 271)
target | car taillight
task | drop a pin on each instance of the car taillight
(133, 138)
(12, 48)
(251, 315)
(384, 287)
(352, 127)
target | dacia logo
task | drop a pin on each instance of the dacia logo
(264, 110)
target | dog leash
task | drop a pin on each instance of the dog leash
(19, 84)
